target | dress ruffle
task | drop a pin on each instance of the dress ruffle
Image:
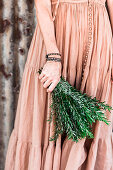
(29, 146)
(26, 156)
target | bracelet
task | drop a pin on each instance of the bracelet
(52, 54)
(53, 59)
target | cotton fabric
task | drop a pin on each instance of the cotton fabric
(86, 48)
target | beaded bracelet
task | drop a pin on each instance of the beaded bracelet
(52, 54)
(53, 59)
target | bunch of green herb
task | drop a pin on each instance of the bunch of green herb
(75, 112)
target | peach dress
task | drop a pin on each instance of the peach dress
(80, 30)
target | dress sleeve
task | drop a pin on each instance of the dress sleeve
(46, 24)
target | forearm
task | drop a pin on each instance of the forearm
(110, 9)
(44, 16)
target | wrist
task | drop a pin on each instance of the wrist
(59, 64)
(55, 56)
(52, 57)
(54, 62)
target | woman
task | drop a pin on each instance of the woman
(79, 32)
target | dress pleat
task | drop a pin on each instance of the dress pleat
(29, 146)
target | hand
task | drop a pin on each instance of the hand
(50, 75)
(112, 73)
(112, 64)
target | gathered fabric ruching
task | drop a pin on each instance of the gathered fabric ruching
(84, 38)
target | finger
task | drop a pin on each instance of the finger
(41, 75)
(44, 79)
(47, 83)
(52, 86)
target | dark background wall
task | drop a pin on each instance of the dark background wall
(17, 24)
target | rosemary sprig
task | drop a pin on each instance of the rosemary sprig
(75, 112)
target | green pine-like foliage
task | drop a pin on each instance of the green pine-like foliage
(74, 112)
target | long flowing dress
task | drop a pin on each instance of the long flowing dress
(80, 30)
